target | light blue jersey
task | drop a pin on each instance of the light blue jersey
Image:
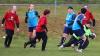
(76, 26)
(32, 18)
(69, 19)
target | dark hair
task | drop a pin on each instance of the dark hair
(70, 7)
(83, 10)
(46, 11)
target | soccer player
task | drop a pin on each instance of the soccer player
(32, 20)
(10, 19)
(78, 28)
(68, 24)
(89, 17)
(41, 30)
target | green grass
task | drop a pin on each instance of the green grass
(55, 26)
(52, 50)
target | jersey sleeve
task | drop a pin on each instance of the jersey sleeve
(73, 17)
(91, 16)
(5, 16)
(17, 21)
(26, 17)
(37, 14)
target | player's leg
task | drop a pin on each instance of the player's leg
(82, 42)
(86, 43)
(33, 36)
(80, 33)
(72, 39)
(6, 39)
(64, 36)
(10, 37)
(30, 34)
(68, 44)
(44, 38)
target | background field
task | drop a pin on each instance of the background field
(55, 26)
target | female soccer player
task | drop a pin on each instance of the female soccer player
(32, 20)
(10, 19)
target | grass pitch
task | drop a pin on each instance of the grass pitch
(55, 26)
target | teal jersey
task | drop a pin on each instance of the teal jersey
(32, 18)
(70, 17)
(79, 18)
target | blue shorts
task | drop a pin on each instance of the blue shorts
(30, 29)
(79, 32)
(68, 30)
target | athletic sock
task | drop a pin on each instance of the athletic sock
(81, 44)
(62, 40)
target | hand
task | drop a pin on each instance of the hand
(18, 30)
(46, 30)
(64, 24)
(2, 25)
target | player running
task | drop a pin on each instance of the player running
(10, 19)
(78, 28)
(68, 25)
(32, 20)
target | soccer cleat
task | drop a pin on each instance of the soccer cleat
(72, 46)
(43, 50)
(4, 37)
(25, 44)
(61, 47)
(6, 46)
(79, 50)
(32, 45)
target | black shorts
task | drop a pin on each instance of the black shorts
(79, 32)
(40, 35)
(30, 29)
(68, 30)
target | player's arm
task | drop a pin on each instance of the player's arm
(3, 20)
(94, 22)
(26, 17)
(92, 18)
(80, 24)
(79, 21)
(17, 21)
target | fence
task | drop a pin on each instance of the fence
(47, 1)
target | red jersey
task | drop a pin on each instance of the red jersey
(42, 21)
(10, 20)
(88, 17)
